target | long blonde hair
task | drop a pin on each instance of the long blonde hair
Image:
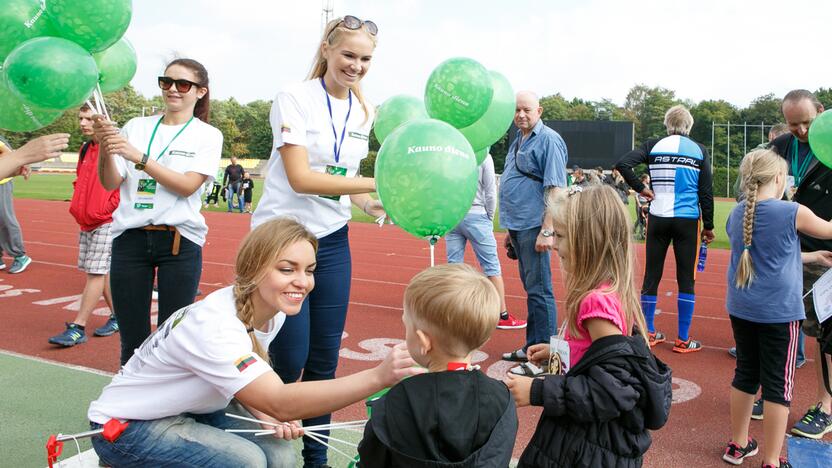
(258, 253)
(599, 251)
(758, 168)
(333, 34)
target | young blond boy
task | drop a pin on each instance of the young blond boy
(454, 413)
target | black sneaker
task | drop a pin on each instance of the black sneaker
(734, 454)
(814, 424)
(782, 463)
(757, 411)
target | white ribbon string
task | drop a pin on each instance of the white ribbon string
(321, 441)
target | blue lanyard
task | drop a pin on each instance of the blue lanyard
(337, 146)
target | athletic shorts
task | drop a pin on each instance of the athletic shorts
(766, 355)
(811, 273)
(94, 251)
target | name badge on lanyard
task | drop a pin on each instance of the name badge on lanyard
(338, 144)
(559, 354)
(145, 193)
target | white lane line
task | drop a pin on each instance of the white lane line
(57, 363)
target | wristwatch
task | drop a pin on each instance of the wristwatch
(140, 165)
(546, 233)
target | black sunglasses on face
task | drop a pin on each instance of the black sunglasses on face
(183, 86)
(351, 22)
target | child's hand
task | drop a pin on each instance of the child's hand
(539, 353)
(520, 388)
(819, 257)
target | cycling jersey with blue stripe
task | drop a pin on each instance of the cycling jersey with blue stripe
(674, 164)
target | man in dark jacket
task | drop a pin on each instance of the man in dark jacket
(600, 413)
(92, 207)
(812, 186)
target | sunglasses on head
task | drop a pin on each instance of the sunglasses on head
(183, 86)
(353, 23)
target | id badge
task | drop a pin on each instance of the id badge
(558, 356)
(144, 194)
(336, 171)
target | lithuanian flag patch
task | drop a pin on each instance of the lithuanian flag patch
(245, 361)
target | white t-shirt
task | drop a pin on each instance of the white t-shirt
(197, 149)
(300, 116)
(194, 363)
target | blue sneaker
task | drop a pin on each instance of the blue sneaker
(108, 328)
(814, 424)
(20, 263)
(73, 335)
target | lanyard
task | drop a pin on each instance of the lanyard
(153, 135)
(799, 172)
(336, 146)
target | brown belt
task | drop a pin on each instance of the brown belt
(163, 227)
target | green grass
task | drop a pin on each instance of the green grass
(59, 187)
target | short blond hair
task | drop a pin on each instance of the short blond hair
(455, 304)
(678, 121)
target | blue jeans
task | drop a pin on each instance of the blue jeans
(536, 274)
(137, 256)
(235, 188)
(479, 229)
(310, 341)
(192, 440)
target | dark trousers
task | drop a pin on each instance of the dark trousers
(309, 341)
(683, 233)
(137, 256)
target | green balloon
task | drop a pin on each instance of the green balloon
(396, 111)
(458, 92)
(17, 116)
(21, 20)
(497, 119)
(116, 66)
(481, 154)
(93, 24)
(51, 72)
(820, 138)
(426, 175)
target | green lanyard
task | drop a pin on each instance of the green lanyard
(153, 135)
(798, 173)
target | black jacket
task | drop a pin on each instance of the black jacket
(813, 192)
(705, 192)
(443, 419)
(599, 414)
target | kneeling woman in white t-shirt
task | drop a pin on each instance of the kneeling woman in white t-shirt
(321, 130)
(210, 358)
(160, 164)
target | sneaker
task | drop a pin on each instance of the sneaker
(511, 323)
(733, 351)
(526, 369)
(517, 355)
(800, 363)
(757, 410)
(814, 424)
(656, 338)
(73, 335)
(783, 463)
(734, 454)
(20, 263)
(108, 328)
(2, 266)
(689, 346)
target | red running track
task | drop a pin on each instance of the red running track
(35, 304)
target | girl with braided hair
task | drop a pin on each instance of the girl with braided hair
(764, 300)
(210, 358)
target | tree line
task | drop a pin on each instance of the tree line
(248, 133)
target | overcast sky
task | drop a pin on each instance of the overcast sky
(592, 49)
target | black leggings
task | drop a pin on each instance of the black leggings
(684, 233)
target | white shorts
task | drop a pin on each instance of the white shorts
(94, 251)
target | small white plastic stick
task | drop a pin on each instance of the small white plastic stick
(321, 441)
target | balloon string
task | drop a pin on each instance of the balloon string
(432, 262)
(101, 101)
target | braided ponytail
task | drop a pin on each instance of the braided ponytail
(245, 312)
(745, 268)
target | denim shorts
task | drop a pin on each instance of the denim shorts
(477, 228)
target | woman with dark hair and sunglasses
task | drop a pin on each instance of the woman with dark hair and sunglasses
(159, 164)
(321, 132)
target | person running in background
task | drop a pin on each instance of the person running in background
(92, 207)
(681, 192)
(232, 180)
(248, 191)
(478, 228)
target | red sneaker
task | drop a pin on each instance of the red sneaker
(511, 323)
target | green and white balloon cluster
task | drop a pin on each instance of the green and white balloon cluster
(56, 53)
(426, 170)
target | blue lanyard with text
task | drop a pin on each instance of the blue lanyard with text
(336, 146)
(799, 172)
(153, 135)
